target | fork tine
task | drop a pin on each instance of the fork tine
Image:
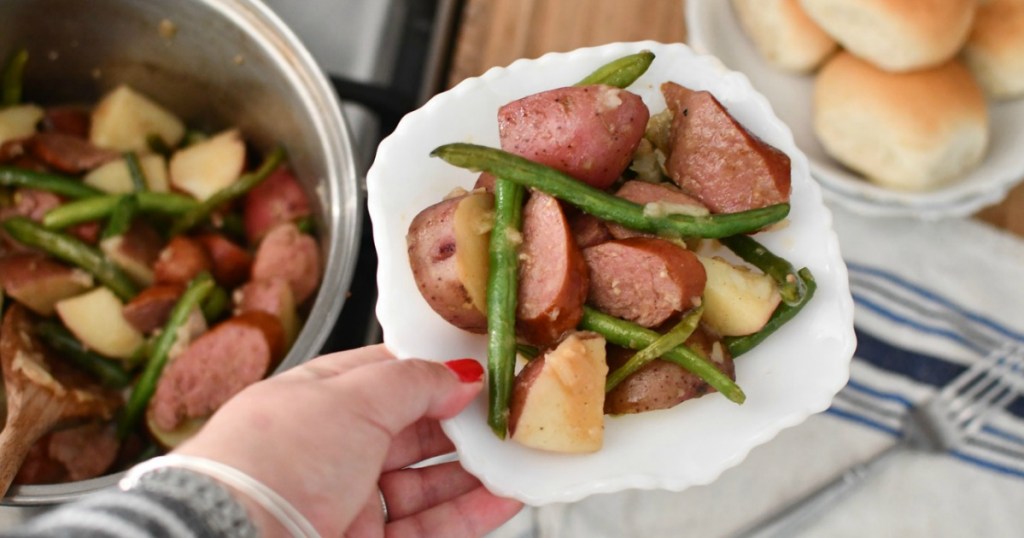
(1001, 391)
(968, 377)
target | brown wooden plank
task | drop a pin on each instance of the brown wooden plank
(497, 32)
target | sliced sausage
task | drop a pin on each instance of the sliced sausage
(229, 357)
(231, 263)
(552, 273)
(180, 261)
(38, 467)
(34, 203)
(588, 132)
(292, 255)
(661, 384)
(717, 160)
(643, 280)
(149, 310)
(276, 200)
(86, 451)
(273, 296)
(669, 198)
(588, 230)
(67, 153)
(70, 120)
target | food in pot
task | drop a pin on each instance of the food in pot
(171, 266)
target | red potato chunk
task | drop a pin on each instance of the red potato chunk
(718, 161)
(276, 200)
(67, 153)
(180, 261)
(39, 282)
(588, 132)
(149, 310)
(231, 263)
(292, 255)
(644, 280)
(447, 244)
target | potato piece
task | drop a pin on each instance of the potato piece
(124, 118)
(39, 282)
(170, 439)
(737, 300)
(208, 166)
(95, 319)
(19, 121)
(558, 399)
(448, 245)
(114, 177)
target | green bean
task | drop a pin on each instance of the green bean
(791, 287)
(108, 372)
(622, 72)
(502, 289)
(238, 188)
(121, 217)
(738, 345)
(197, 290)
(673, 338)
(528, 351)
(601, 204)
(630, 335)
(13, 77)
(139, 183)
(11, 176)
(216, 304)
(73, 251)
(100, 207)
(157, 144)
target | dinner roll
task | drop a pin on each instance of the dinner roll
(896, 35)
(907, 131)
(995, 48)
(784, 34)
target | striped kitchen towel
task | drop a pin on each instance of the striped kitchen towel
(931, 298)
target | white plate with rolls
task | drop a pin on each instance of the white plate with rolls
(981, 137)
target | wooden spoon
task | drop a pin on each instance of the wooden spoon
(42, 393)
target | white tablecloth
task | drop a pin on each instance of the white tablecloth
(931, 298)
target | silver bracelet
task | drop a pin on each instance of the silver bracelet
(292, 520)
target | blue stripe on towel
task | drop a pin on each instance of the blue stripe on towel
(915, 308)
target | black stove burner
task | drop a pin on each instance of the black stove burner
(417, 61)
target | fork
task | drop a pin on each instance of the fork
(942, 423)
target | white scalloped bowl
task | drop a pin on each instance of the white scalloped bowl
(713, 28)
(792, 375)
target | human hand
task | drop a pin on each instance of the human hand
(327, 433)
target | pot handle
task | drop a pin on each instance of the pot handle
(387, 103)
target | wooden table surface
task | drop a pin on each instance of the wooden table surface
(496, 32)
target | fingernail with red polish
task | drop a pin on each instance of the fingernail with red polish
(468, 370)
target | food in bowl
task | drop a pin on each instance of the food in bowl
(620, 241)
(148, 268)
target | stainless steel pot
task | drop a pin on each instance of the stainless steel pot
(216, 63)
